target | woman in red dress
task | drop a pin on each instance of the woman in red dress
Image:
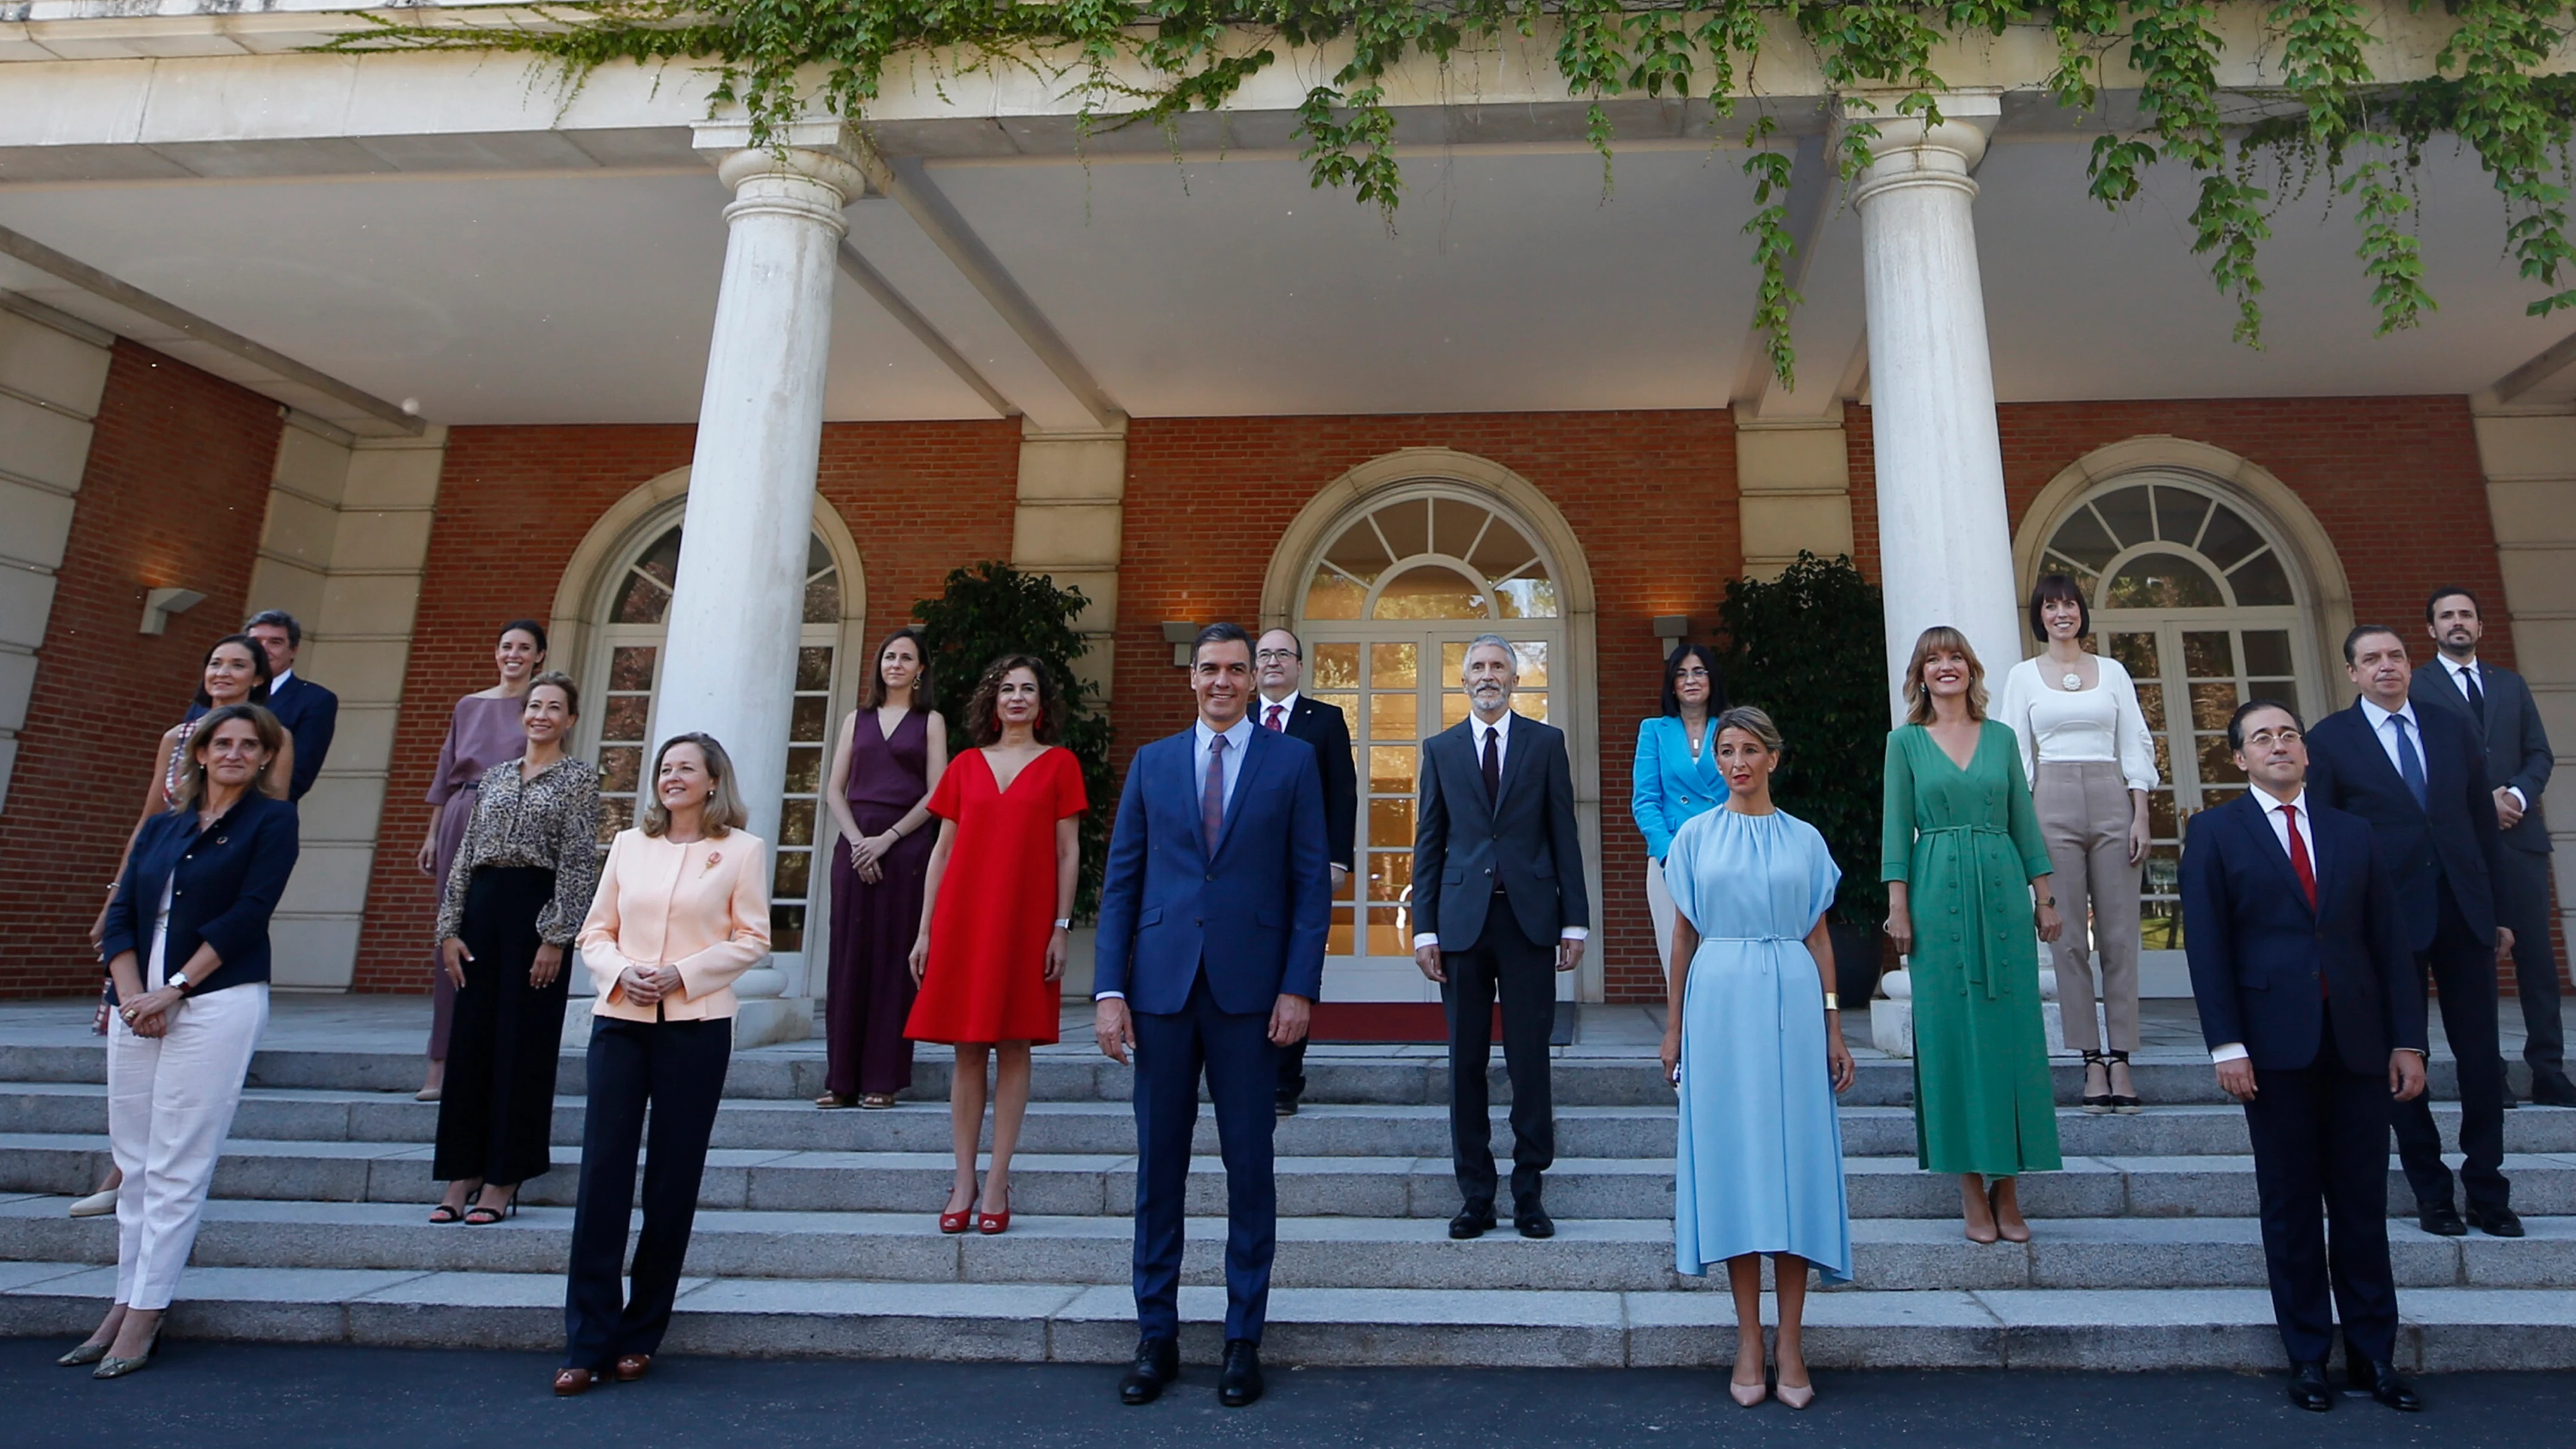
(993, 929)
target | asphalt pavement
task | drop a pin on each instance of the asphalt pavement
(212, 1395)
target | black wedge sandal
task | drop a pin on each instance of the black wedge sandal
(2098, 1103)
(2122, 1103)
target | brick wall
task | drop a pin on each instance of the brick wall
(513, 504)
(175, 492)
(1650, 496)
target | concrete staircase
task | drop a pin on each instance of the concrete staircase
(816, 1233)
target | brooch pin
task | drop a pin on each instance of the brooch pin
(713, 856)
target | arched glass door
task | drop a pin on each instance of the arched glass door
(618, 700)
(1388, 609)
(2193, 594)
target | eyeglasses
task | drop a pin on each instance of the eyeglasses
(2265, 739)
(1276, 656)
(1694, 673)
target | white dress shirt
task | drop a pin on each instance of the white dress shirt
(2279, 817)
(278, 681)
(1287, 708)
(2462, 671)
(1203, 741)
(2387, 737)
(1500, 732)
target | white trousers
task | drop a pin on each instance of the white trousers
(170, 1102)
(1659, 906)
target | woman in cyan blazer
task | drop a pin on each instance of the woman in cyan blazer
(682, 910)
(1675, 775)
(186, 943)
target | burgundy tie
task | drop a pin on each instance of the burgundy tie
(1212, 795)
(1271, 720)
(2305, 870)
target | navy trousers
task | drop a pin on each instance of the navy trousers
(2321, 1133)
(679, 1068)
(1242, 1070)
(2463, 969)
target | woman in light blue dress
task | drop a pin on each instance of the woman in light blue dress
(1754, 1045)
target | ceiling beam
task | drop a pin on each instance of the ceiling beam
(197, 329)
(1811, 188)
(2555, 360)
(873, 282)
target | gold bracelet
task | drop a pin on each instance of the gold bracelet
(1831, 1004)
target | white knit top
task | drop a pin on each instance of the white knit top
(2057, 726)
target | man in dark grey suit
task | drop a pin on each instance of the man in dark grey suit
(2498, 705)
(1498, 899)
(310, 713)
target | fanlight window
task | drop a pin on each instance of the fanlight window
(1431, 558)
(2168, 547)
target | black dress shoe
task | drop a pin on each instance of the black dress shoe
(2383, 1382)
(1472, 1222)
(2308, 1387)
(2553, 1091)
(2498, 1222)
(1285, 1106)
(1158, 1362)
(2440, 1219)
(1534, 1223)
(1239, 1382)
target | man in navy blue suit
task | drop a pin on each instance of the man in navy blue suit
(309, 712)
(1212, 925)
(2420, 778)
(2314, 1015)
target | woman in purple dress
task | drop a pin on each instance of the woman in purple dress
(484, 731)
(891, 753)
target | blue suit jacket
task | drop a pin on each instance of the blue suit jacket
(1666, 787)
(311, 714)
(1253, 916)
(2451, 836)
(2257, 951)
(224, 882)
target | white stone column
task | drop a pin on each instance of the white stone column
(1945, 542)
(729, 666)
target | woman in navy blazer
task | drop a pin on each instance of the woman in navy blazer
(187, 948)
(1674, 774)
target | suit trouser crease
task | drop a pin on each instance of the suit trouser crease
(2084, 813)
(678, 1068)
(1504, 962)
(2463, 971)
(2320, 1131)
(170, 1104)
(1233, 1052)
(2522, 906)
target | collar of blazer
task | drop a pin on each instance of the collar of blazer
(1522, 733)
(1254, 753)
(2254, 809)
(2386, 768)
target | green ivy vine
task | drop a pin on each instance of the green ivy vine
(2331, 117)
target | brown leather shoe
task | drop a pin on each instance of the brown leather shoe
(633, 1366)
(571, 1381)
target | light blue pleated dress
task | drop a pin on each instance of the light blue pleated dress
(1759, 1160)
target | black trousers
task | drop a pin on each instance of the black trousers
(2522, 906)
(2463, 971)
(1507, 962)
(2322, 1132)
(496, 1116)
(678, 1067)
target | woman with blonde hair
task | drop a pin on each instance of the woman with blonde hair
(1961, 852)
(682, 910)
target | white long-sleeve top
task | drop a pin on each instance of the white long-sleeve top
(2101, 724)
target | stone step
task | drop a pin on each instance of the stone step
(1323, 1130)
(2230, 1328)
(1074, 1073)
(1615, 1255)
(1068, 1184)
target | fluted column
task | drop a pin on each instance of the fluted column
(1944, 537)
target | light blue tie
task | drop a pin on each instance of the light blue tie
(2410, 765)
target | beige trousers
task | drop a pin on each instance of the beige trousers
(2084, 814)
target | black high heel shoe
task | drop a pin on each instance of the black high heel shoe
(2122, 1103)
(479, 1216)
(2097, 1103)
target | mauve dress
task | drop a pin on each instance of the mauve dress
(482, 733)
(873, 926)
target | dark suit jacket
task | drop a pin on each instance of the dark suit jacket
(2517, 746)
(1253, 916)
(310, 713)
(2451, 837)
(1526, 841)
(2257, 951)
(224, 884)
(1325, 727)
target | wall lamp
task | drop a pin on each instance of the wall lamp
(1671, 629)
(160, 604)
(1180, 634)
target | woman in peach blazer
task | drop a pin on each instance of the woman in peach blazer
(683, 909)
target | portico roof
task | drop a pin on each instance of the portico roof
(453, 233)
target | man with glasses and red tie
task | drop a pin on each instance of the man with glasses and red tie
(1280, 663)
(2419, 777)
(2314, 1016)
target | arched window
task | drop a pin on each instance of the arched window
(625, 663)
(2194, 593)
(1387, 607)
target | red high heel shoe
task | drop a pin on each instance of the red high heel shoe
(995, 1224)
(953, 1223)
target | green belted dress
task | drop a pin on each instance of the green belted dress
(1967, 844)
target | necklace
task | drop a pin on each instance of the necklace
(2072, 680)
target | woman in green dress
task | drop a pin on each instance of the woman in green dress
(1960, 840)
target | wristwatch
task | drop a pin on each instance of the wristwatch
(1064, 923)
(178, 979)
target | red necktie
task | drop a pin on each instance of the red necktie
(2299, 863)
(1271, 721)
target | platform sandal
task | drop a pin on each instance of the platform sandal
(2100, 1102)
(2122, 1103)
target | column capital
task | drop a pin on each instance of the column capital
(824, 151)
(1913, 151)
